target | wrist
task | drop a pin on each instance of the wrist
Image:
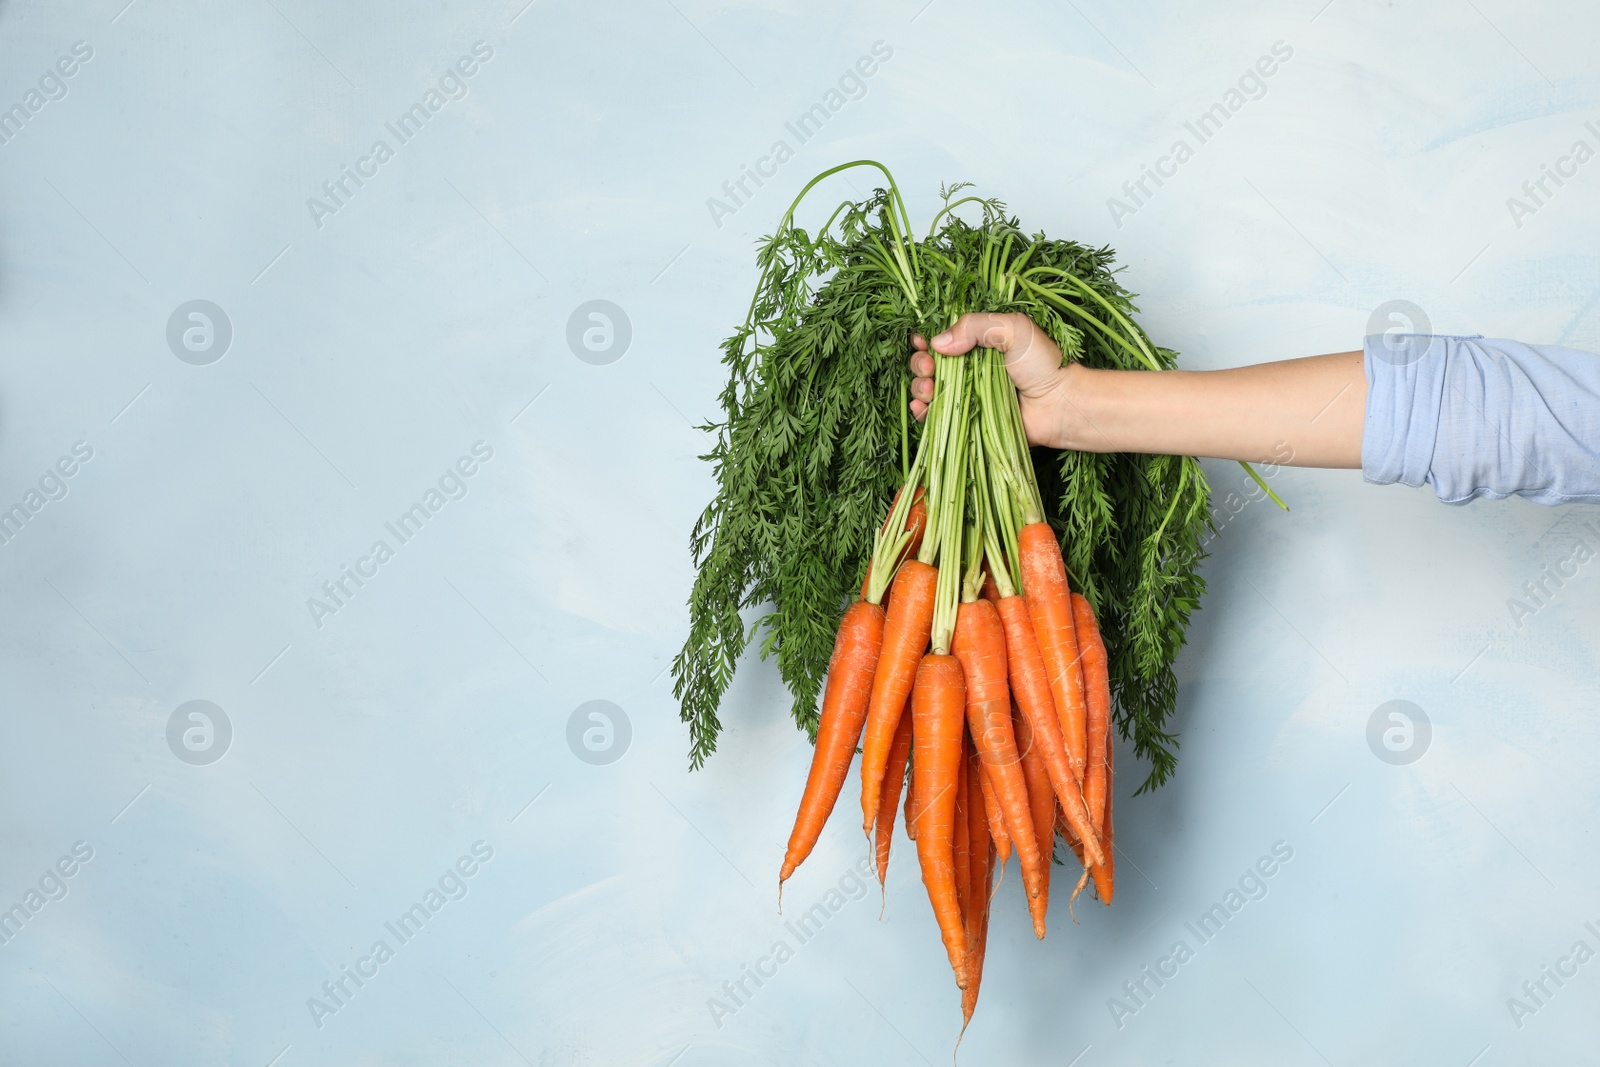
(1085, 410)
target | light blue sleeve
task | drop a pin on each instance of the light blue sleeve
(1478, 416)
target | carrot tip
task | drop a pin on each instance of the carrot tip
(1083, 880)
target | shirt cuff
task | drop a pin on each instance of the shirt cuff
(1405, 391)
(1476, 417)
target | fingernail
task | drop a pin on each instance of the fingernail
(942, 339)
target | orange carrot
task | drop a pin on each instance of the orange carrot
(981, 862)
(894, 777)
(978, 836)
(1034, 697)
(978, 941)
(1105, 873)
(963, 836)
(1041, 800)
(1097, 687)
(844, 707)
(980, 645)
(1071, 837)
(1044, 588)
(991, 592)
(938, 716)
(911, 808)
(916, 522)
(996, 817)
(906, 627)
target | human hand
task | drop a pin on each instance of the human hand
(1032, 359)
(1313, 407)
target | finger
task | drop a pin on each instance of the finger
(921, 364)
(1032, 358)
(918, 343)
(989, 329)
(918, 410)
(922, 389)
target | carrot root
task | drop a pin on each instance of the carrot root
(1034, 697)
(844, 710)
(894, 777)
(1044, 588)
(906, 627)
(938, 717)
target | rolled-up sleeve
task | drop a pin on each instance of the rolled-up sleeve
(1476, 417)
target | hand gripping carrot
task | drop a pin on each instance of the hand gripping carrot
(894, 777)
(905, 638)
(1044, 588)
(844, 708)
(1028, 683)
(938, 717)
(980, 645)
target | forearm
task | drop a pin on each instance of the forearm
(1315, 406)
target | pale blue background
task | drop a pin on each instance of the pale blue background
(370, 353)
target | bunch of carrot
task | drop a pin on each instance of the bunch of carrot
(969, 669)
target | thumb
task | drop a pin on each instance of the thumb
(1032, 359)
